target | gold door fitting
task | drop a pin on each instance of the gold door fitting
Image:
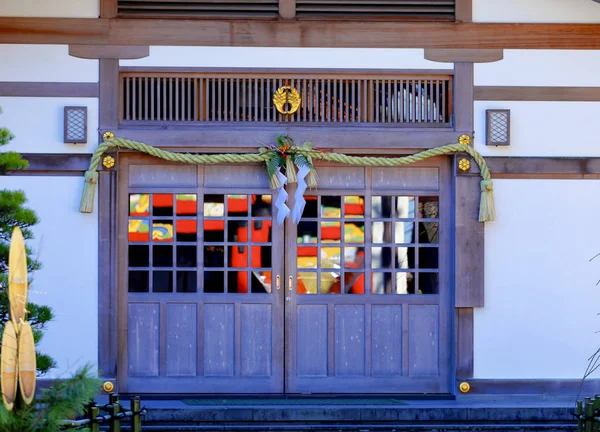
(278, 282)
(290, 283)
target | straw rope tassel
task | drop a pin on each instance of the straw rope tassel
(487, 211)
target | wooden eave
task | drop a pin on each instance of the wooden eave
(313, 34)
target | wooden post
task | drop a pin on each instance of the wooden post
(589, 411)
(579, 416)
(136, 424)
(94, 411)
(115, 422)
(287, 9)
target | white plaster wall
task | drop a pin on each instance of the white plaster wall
(544, 129)
(44, 63)
(51, 8)
(66, 243)
(541, 299)
(553, 68)
(536, 11)
(286, 58)
(37, 123)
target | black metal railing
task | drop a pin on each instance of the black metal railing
(112, 414)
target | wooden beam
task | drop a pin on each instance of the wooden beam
(464, 343)
(545, 94)
(464, 55)
(319, 34)
(48, 89)
(554, 387)
(109, 94)
(463, 96)
(287, 9)
(73, 164)
(109, 52)
(108, 8)
(464, 11)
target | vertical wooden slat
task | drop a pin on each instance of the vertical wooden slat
(145, 98)
(444, 101)
(262, 102)
(376, 84)
(237, 99)
(176, 117)
(189, 99)
(255, 99)
(336, 98)
(437, 101)
(413, 109)
(140, 91)
(450, 100)
(354, 107)
(431, 93)
(127, 114)
(196, 105)
(134, 83)
(304, 99)
(269, 97)
(419, 102)
(212, 99)
(244, 100)
(311, 99)
(275, 113)
(401, 100)
(395, 101)
(231, 99)
(219, 100)
(225, 100)
(388, 105)
(201, 96)
(163, 84)
(322, 101)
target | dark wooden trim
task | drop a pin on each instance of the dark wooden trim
(109, 94)
(469, 244)
(74, 164)
(544, 94)
(287, 9)
(278, 71)
(539, 168)
(554, 387)
(238, 138)
(464, 55)
(48, 89)
(464, 343)
(107, 277)
(109, 52)
(323, 34)
(464, 11)
(463, 96)
(108, 8)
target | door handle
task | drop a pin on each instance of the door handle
(290, 283)
(278, 282)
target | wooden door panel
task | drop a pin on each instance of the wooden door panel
(144, 334)
(256, 347)
(423, 339)
(312, 341)
(386, 345)
(219, 340)
(349, 352)
(182, 339)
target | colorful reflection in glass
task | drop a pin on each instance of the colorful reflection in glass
(139, 205)
(139, 230)
(186, 205)
(162, 231)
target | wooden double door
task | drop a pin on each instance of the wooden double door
(216, 297)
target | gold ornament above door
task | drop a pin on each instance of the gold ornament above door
(287, 100)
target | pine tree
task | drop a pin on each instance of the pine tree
(14, 213)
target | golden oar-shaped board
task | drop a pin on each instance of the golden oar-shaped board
(17, 277)
(27, 364)
(8, 366)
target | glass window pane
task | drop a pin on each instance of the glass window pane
(428, 283)
(354, 207)
(331, 207)
(139, 256)
(330, 257)
(162, 281)
(237, 231)
(138, 281)
(186, 281)
(428, 232)
(405, 232)
(214, 206)
(139, 230)
(381, 257)
(214, 256)
(330, 282)
(162, 256)
(261, 231)
(186, 205)
(381, 232)
(429, 207)
(237, 205)
(162, 231)
(261, 205)
(214, 231)
(237, 282)
(428, 257)
(405, 258)
(381, 206)
(311, 209)
(307, 257)
(354, 232)
(238, 256)
(354, 283)
(354, 257)
(260, 282)
(331, 231)
(307, 232)
(405, 283)
(139, 205)
(186, 230)
(214, 281)
(162, 205)
(306, 283)
(382, 283)
(405, 207)
(261, 257)
(186, 256)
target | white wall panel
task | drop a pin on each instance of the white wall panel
(286, 58)
(37, 124)
(541, 299)
(50, 8)
(554, 68)
(45, 63)
(66, 243)
(544, 129)
(536, 11)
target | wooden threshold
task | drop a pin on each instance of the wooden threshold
(319, 34)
